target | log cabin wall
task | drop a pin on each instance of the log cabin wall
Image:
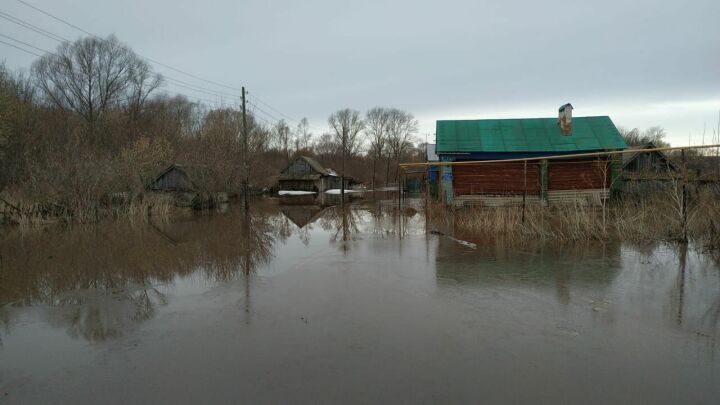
(579, 175)
(496, 178)
(513, 178)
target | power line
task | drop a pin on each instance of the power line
(55, 37)
(255, 97)
(144, 57)
(56, 18)
(211, 103)
(193, 88)
(267, 119)
(265, 112)
(32, 27)
(254, 113)
(196, 88)
(272, 108)
(181, 83)
(17, 47)
(25, 43)
(202, 88)
(263, 120)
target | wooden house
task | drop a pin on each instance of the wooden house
(306, 174)
(191, 185)
(179, 178)
(642, 161)
(541, 180)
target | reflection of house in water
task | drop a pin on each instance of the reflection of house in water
(302, 215)
(321, 199)
(563, 267)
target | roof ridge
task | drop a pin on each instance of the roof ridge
(520, 118)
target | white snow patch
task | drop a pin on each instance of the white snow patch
(337, 191)
(295, 192)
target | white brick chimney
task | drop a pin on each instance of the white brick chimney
(565, 119)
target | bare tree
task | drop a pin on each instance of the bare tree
(377, 130)
(92, 75)
(402, 126)
(347, 126)
(634, 137)
(303, 135)
(282, 138)
(326, 145)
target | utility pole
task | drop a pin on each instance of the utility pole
(342, 176)
(246, 167)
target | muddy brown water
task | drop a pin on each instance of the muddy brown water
(299, 304)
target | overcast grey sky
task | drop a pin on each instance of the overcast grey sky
(643, 62)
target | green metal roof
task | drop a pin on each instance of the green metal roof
(527, 135)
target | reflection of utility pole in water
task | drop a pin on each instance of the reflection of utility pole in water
(246, 264)
(562, 285)
(344, 223)
(681, 281)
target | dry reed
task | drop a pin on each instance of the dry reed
(655, 217)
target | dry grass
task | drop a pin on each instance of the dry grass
(138, 208)
(656, 217)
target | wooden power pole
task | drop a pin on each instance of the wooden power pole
(342, 175)
(246, 157)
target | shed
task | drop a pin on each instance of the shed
(307, 174)
(641, 161)
(546, 179)
(180, 178)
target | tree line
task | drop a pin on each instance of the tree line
(92, 119)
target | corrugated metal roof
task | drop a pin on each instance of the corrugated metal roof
(527, 135)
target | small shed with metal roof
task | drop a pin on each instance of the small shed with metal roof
(529, 138)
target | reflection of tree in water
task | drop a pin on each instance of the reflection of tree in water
(389, 221)
(696, 309)
(100, 315)
(507, 262)
(343, 223)
(99, 281)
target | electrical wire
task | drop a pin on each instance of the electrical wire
(32, 27)
(19, 48)
(144, 57)
(263, 111)
(201, 89)
(272, 108)
(25, 43)
(174, 81)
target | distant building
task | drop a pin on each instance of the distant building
(191, 186)
(180, 178)
(642, 161)
(432, 173)
(546, 180)
(306, 174)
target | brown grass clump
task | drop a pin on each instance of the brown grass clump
(656, 217)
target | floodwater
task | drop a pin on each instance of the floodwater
(299, 304)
